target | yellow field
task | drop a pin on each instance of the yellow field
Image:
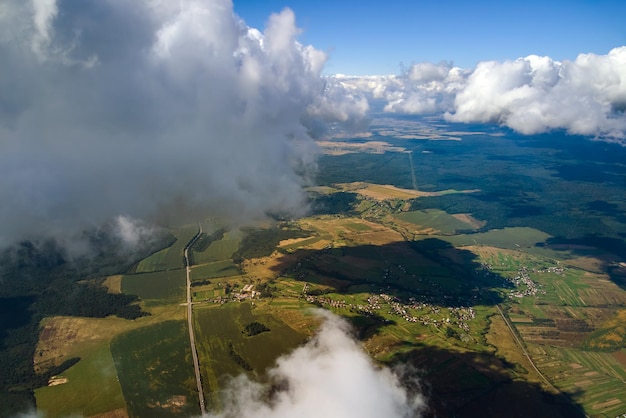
(114, 284)
(382, 191)
(341, 148)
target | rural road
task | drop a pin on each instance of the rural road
(192, 340)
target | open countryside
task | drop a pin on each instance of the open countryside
(490, 311)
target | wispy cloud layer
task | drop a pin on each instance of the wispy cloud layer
(531, 95)
(153, 107)
(328, 377)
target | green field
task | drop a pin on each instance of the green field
(168, 258)
(434, 218)
(224, 268)
(218, 250)
(92, 388)
(156, 371)
(165, 286)
(507, 238)
(225, 351)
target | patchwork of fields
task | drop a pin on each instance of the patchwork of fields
(421, 287)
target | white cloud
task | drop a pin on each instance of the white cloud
(422, 88)
(531, 95)
(152, 108)
(132, 231)
(340, 104)
(328, 377)
(372, 85)
(44, 11)
(536, 94)
(161, 110)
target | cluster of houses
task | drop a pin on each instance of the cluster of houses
(247, 292)
(522, 277)
(522, 284)
(459, 316)
(554, 269)
(531, 288)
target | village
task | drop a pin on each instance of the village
(425, 311)
(458, 316)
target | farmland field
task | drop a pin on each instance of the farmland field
(436, 219)
(219, 250)
(155, 370)
(507, 238)
(168, 258)
(224, 350)
(162, 285)
(89, 388)
(599, 376)
(224, 268)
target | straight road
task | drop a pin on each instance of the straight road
(192, 339)
(413, 178)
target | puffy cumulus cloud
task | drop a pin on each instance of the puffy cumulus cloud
(373, 86)
(531, 95)
(425, 88)
(150, 108)
(320, 380)
(535, 94)
(421, 88)
(341, 105)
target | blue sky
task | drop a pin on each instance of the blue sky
(377, 37)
